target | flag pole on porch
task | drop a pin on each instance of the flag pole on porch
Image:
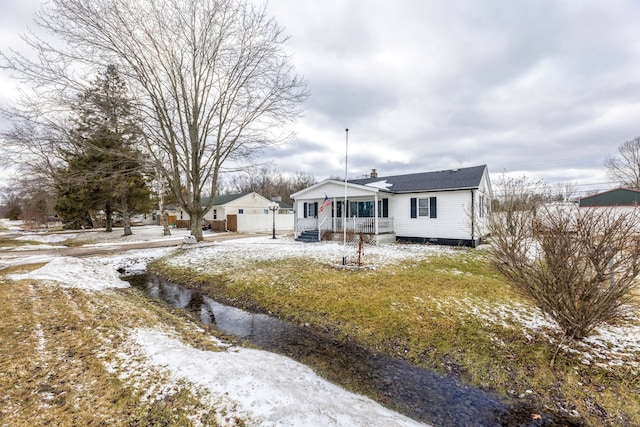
(344, 208)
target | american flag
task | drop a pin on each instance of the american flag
(326, 202)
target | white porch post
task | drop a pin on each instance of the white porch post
(333, 215)
(375, 213)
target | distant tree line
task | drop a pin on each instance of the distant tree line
(269, 183)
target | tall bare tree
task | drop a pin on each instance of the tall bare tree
(213, 79)
(624, 166)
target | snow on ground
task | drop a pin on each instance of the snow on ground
(233, 254)
(47, 238)
(266, 388)
(86, 273)
(146, 233)
(272, 389)
(10, 225)
(610, 345)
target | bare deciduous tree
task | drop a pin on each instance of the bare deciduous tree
(270, 183)
(212, 78)
(577, 265)
(624, 166)
(565, 192)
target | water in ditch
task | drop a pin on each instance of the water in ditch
(419, 393)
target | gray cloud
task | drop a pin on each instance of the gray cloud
(542, 87)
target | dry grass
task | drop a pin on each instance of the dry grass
(17, 243)
(443, 313)
(61, 359)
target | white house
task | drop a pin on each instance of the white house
(243, 212)
(248, 213)
(444, 207)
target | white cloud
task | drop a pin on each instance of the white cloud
(439, 84)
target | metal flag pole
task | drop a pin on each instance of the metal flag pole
(344, 208)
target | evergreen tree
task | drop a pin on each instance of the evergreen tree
(104, 168)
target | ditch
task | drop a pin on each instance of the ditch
(416, 392)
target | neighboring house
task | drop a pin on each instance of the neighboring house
(619, 197)
(445, 207)
(243, 212)
(619, 200)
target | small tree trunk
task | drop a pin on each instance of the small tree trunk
(94, 221)
(166, 231)
(126, 217)
(109, 218)
(163, 213)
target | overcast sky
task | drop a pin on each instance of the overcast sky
(542, 88)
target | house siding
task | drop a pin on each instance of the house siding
(452, 223)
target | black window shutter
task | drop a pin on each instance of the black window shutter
(315, 209)
(305, 209)
(385, 208)
(433, 211)
(414, 207)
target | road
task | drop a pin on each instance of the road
(11, 257)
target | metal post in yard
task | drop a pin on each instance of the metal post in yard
(273, 207)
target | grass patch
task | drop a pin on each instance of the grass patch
(11, 243)
(61, 359)
(452, 313)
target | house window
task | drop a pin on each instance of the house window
(215, 214)
(383, 208)
(180, 214)
(240, 211)
(310, 210)
(266, 211)
(363, 209)
(481, 206)
(424, 207)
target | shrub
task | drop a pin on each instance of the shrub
(577, 265)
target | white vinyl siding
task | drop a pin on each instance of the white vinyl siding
(452, 221)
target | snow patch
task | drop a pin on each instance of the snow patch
(83, 273)
(384, 185)
(47, 238)
(232, 255)
(267, 388)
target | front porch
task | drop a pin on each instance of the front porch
(355, 225)
(314, 228)
(333, 207)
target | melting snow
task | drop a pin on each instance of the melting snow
(70, 272)
(270, 389)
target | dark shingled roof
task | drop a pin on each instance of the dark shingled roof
(451, 179)
(223, 199)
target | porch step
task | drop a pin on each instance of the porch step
(308, 236)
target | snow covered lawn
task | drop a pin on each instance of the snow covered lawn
(251, 385)
(261, 388)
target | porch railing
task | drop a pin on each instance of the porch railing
(357, 225)
(365, 225)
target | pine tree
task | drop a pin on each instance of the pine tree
(104, 169)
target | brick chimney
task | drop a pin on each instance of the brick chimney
(374, 173)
